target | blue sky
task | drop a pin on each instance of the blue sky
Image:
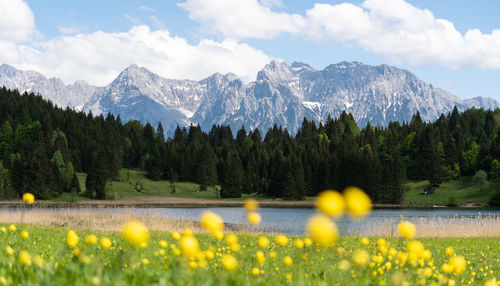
(94, 40)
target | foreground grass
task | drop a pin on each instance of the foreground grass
(54, 263)
(454, 192)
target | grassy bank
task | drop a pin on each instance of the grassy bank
(133, 189)
(52, 262)
(456, 192)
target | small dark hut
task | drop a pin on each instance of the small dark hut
(429, 190)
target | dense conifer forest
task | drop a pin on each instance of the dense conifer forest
(42, 146)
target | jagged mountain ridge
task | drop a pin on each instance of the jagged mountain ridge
(74, 95)
(282, 94)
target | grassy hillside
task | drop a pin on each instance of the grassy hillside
(131, 181)
(452, 192)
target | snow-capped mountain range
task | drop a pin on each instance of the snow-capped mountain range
(282, 94)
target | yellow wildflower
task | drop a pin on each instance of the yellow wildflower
(25, 234)
(288, 260)
(406, 229)
(24, 258)
(331, 203)
(105, 243)
(28, 198)
(259, 257)
(38, 261)
(163, 244)
(253, 218)
(190, 247)
(263, 242)
(299, 244)
(136, 234)
(229, 262)
(251, 205)
(211, 221)
(282, 240)
(358, 203)
(361, 257)
(72, 238)
(322, 229)
(90, 239)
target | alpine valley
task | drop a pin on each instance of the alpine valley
(281, 95)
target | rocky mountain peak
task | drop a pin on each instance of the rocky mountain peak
(282, 94)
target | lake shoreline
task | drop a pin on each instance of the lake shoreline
(202, 203)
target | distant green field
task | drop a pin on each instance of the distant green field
(131, 180)
(452, 192)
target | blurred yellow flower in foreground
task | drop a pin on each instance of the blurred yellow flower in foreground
(9, 250)
(25, 234)
(415, 247)
(322, 230)
(331, 203)
(251, 205)
(365, 241)
(254, 218)
(232, 239)
(90, 239)
(163, 243)
(299, 244)
(12, 227)
(288, 260)
(406, 229)
(105, 243)
(175, 235)
(458, 263)
(72, 238)
(361, 257)
(211, 221)
(25, 258)
(449, 251)
(190, 247)
(136, 234)
(29, 198)
(260, 257)
(282, 240)
(38, 261)
(263, 242)
(229, 262)
(358, 203)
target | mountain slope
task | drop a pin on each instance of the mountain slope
(74, 95)
(281, 94)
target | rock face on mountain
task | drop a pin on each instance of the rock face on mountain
(281, 95)
(74, 95)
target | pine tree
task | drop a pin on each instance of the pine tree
(231, 184)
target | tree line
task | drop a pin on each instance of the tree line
(42, 146)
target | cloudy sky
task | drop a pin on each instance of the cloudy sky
(453, 44)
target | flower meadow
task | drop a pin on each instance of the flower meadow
(34, 255)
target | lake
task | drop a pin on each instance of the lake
(292, 221)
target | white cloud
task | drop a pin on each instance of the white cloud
(147, 9)
(17, 22)
(132, 19)
(272, 3)
(159, 24)
(240, 19)
(70, 30)
(99, 57)
(393, 28)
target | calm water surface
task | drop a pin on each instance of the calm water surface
(291, 221)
